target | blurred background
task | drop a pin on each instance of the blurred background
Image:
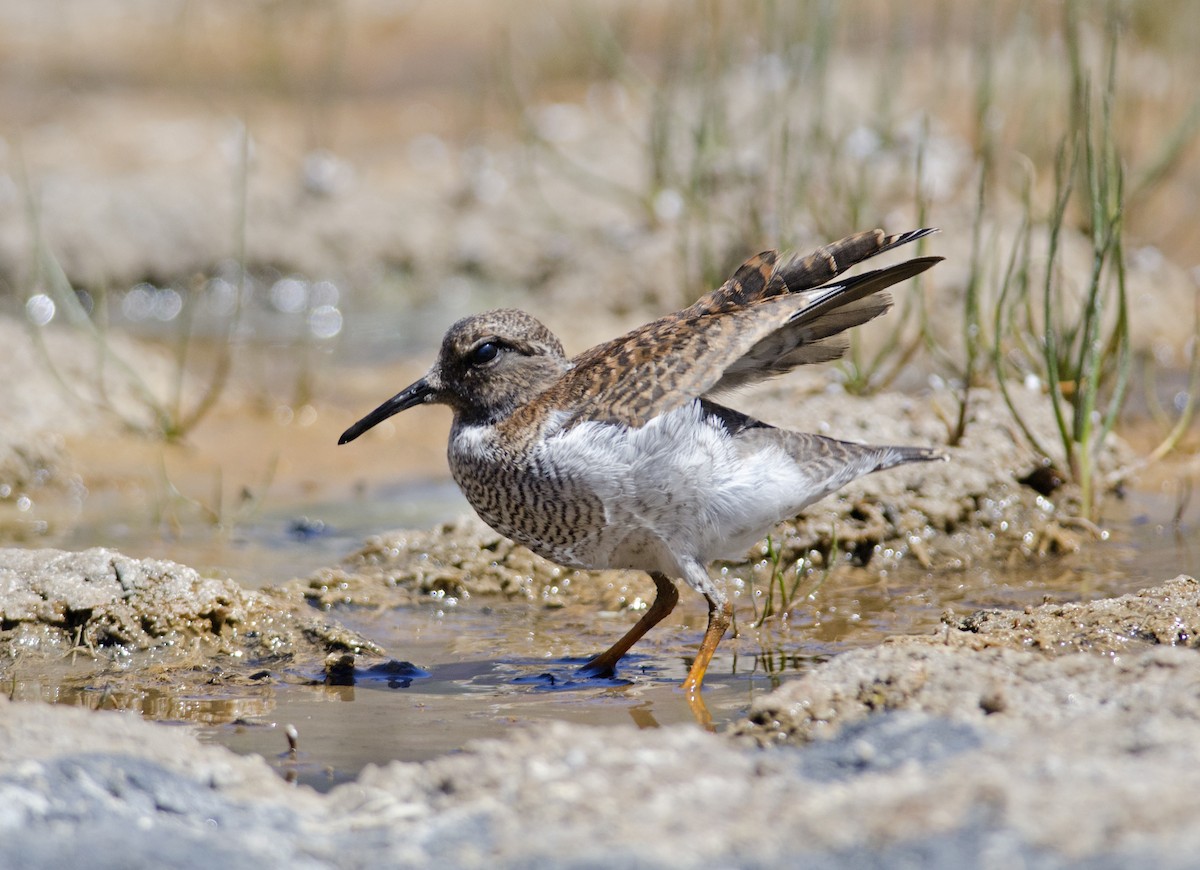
(229, 229)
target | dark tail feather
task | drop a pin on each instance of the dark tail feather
(894, 456)
(825, 264)
(809, 336)
(845, 293)
(761, 277)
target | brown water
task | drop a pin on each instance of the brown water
(264, 496)
(477, 668)
(259, 492)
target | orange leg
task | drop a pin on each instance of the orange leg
(720, 615)
(605, 664)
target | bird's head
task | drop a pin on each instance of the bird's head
(489, 365)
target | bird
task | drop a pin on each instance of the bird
(622, 457)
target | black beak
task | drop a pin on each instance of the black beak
(415, 394)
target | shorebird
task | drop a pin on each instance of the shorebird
(620, 457)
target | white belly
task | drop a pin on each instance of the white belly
(676, 488)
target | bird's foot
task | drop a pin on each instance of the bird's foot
(597, 669)
(699, 710)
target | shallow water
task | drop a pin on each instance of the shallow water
(474, 669)
(285, 502)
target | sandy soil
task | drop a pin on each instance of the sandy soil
(1056, 735)
(971, 741)
(924, 750)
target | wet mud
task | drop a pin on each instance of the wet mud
(925, 749)
(51, 602)
(940, 666)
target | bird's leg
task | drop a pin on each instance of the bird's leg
(720, 615)
(604, 664)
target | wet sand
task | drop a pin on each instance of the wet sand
(963, 674)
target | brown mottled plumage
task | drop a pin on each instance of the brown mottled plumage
(618, 458)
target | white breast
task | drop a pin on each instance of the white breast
(676, 488)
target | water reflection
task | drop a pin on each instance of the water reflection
(164, 704)
(228, 305)
(40, 309)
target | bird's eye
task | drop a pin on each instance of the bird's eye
(484, 353)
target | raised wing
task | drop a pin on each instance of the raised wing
(811, 334)
(758, 279)
(765, 320)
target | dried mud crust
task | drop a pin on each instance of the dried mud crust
(1166, 615)
(1047, 665)
(970, 509)
(53, 601)
(913, 753)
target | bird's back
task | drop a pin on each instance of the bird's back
(768, 318)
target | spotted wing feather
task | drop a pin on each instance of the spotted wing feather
(810, 335)
(767, 319)
(758, 279)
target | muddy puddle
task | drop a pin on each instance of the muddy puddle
(457, 670)
(481, 669)
(260, 494)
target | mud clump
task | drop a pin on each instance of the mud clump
(1127, 654)
(1167, 615)
(459, 559)
(51, 601)
(914, 753)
